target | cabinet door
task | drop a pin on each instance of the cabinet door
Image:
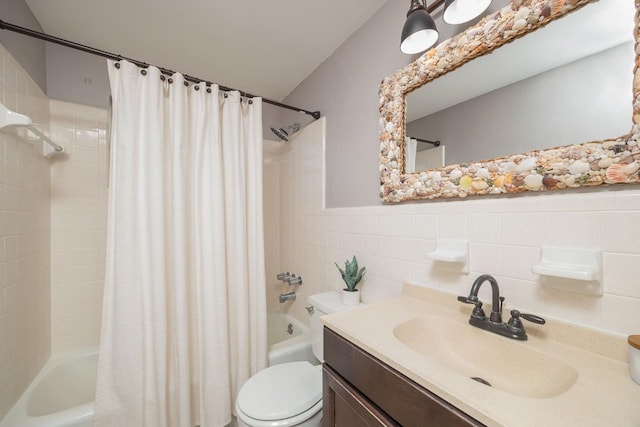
(344, 406)
(398, 397)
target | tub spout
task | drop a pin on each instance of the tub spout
(286, 297)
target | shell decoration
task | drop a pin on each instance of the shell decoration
(612, 161)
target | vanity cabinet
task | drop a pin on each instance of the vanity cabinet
(360, 390)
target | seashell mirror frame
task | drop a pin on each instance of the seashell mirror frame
(612, 161)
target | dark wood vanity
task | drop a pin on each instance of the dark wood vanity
(360, 390)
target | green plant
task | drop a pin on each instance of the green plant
(351, 275)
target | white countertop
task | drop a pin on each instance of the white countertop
(603, 393)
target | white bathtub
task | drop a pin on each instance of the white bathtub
(62, 393)
(288, 347)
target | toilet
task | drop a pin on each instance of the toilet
(289, 394)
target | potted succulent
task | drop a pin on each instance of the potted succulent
(351, 276)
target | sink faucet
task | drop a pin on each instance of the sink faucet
(513, 328)
(496, 299)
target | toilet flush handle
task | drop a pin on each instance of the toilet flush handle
(310, 309)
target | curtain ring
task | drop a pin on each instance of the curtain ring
(162, 77)
(143, 72)
(117, 65)
(251, 101)
(226, 95)
(170, 80)
(186, 83)
(196, 88)
(208, 90)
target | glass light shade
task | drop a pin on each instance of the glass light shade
(419, 32)
(462, 11)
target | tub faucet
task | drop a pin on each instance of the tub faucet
(513, 328)
(286, 297)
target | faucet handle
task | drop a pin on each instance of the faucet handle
(516, 323)
(467, 300)
(533, 318)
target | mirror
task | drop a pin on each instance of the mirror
(534, 87)
(545, 55)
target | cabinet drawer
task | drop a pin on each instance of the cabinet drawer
(402, 399)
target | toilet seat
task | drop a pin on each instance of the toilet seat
(281, 395)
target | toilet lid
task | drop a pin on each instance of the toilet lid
(281, 391)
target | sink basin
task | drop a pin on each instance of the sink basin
(507, 365)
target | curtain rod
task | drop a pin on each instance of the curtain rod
(434, 143)
(103, 53)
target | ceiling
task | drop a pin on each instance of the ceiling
(263, 47)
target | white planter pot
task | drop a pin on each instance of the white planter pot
(350, 298)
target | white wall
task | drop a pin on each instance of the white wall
(24, 240)
(504, 233)
(27, 51)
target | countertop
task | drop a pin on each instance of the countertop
(603, 393)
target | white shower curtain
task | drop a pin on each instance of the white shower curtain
(411, 147)
(184, 317)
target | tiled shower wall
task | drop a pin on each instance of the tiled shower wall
(24, 240)
(79, 185)
(505, 235)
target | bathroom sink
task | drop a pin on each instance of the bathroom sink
(504, 364)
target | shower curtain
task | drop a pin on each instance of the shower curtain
(184, 316)
(411, 147)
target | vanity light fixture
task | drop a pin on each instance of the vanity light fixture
(420, 32)
(462, 11)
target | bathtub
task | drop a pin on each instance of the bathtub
(62, 393)
(288, 339)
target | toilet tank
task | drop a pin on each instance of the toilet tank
(324, 303)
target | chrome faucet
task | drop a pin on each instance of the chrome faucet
(295, 280)
(286, 297)
(284, 276)
(513, 328)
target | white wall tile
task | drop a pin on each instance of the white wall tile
(485, 228)
(452, 226)
(426, 226)
(518, 260)
(523, 229)
(573, 229)
(78, 226)
(620, 231)
(622, 274)
(579, 308)
(485, 258)
(24, 241)
(620, 315)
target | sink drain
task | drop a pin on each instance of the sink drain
(481, 381)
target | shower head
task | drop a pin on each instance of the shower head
(284, 134)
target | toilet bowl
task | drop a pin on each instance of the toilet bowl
(289, 394)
